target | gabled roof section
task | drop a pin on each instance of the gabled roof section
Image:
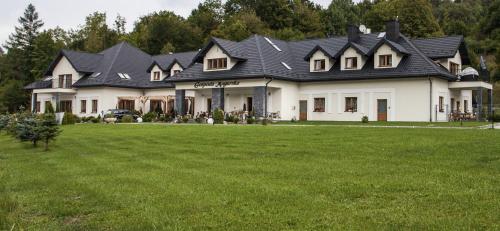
(81, 61)
(395, 46)
(230, 48)
(326, 51)
(165, 62)
(443, 47)
(41, 84)
(360, 49)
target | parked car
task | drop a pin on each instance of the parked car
(119, 113)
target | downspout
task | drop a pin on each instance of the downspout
(430, 99)
(265, 97)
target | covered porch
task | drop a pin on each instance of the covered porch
(474, 108)
(62, 100)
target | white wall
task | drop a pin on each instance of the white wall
(351, 52)
(214, 53)
(175, 67)
(64, 67)
(320, 55)
(407, 99)
(386, 50)
(107, 98)
(456, 59)
(163, 75)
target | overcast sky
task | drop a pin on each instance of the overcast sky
(71, 13)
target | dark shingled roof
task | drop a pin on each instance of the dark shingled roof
(443, 47)
(262, 60)
(258, 58)
(165, 62)
(41, 84)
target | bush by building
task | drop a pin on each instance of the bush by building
(69, 118)
(218, 116)
(127, 119)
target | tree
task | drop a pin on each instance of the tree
(307, 19)
(120, 23)
(46, 47)
(47, 129)
(415, 17)
(208, 16)
(339, 14)
(96, 34)
(12, 96)
(241, 26)
(21, 43)
(152, 32)
(26, 128)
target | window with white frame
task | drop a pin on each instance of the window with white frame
(351, 104)
(351, 63)
(319, 104)
(319, 65)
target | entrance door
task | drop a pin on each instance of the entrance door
(209, 105)
(303, 109)
(382, 109)
(250, 104)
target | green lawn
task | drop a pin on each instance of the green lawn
(382, 123)
(146, 177)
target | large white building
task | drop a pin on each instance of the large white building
(385, 76)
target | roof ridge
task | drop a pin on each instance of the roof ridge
(427, 59)
(113, 62)
(446, 36)
(262, 63)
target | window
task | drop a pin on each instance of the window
(94, 106)
(126, 105)
(454, 68)
(351, 63)
(351, 104)
(155, 106)
(83, 106)
(37, 106)
(217, 64)
(385, 60)
(68, 81)
(319, 104)
(466, 106)
(458, 105)
(47, 103)
(319, 65)
(452, 103)
(65, 106)
(441, 104)
(177, 72)
(156, 75)
(61, 81)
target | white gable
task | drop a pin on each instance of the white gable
(386, 50)
(175, 67)
(215, 52)
(156, 68)
(64, 67)
(351, 53)
(318, 55)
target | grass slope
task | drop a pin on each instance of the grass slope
(143, 177)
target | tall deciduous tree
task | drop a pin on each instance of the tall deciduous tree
(240, 26)
(96, 34)
(208, 16)
(339, 14)
(154, 31)
(415, 16)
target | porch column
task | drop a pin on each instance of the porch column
(180, 95)
(480, 104)
(217, 98)
(33, 102)
(58, 102)
(490, 102)
(259, 101)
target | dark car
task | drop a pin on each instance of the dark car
(119, 113)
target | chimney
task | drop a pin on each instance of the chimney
(352, 33)
(392, 30)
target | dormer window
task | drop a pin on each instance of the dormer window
(319, 65)
(177, 72)
(156, 75)
(454, 68)
(217, 64)
(351, 63)
(385, 60)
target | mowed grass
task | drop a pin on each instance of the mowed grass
(167, 177)
(465, 124)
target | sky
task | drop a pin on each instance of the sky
(69, 14)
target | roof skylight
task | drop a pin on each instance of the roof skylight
(272, 44)
(124, 75)
(95, 75)
(286, 65)
(381, 35)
